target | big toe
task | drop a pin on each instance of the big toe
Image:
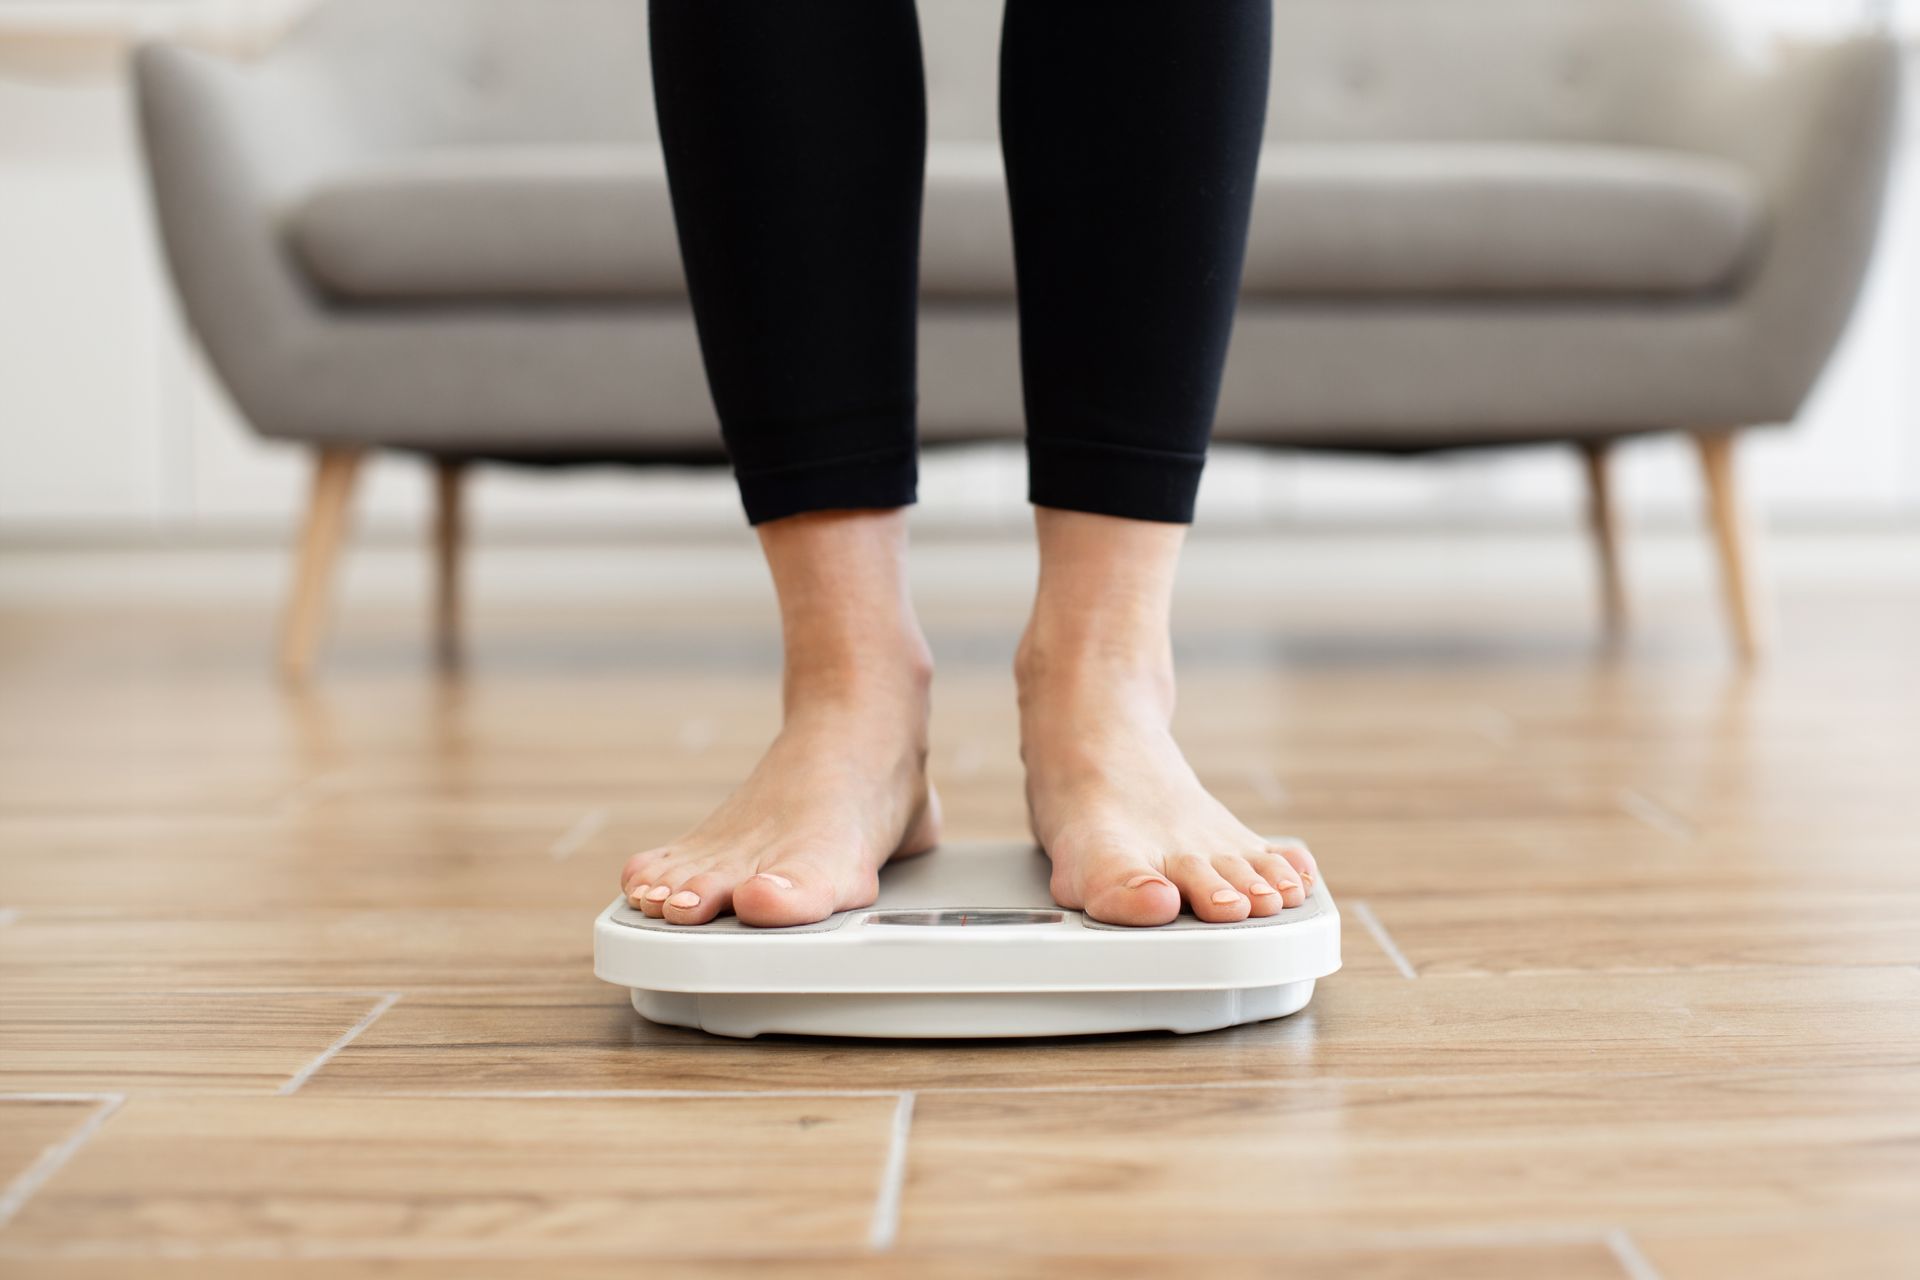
(784, 894)
(1130, 893)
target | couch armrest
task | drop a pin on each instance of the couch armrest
(225, 144)
(1815, 123)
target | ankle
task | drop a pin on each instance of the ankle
(884, 674)
(1102, 609)
(846, 617)
(1083, 664)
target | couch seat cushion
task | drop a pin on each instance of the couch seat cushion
(514, 224)
(1479, 218)
(1417, 220)
(493, 223)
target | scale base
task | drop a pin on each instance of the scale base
(970, 1015)
(967, 943)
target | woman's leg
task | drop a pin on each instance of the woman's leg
(1132, 132)
(795, 139)
(843, 787)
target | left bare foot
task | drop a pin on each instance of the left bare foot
(1114, 803)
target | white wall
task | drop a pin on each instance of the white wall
(109, 425)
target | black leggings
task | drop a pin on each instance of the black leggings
(795, 141)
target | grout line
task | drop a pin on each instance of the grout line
(255, 992)
(1651, 812)
(508, 1095)
(55, 1157)
(574, 838)
(1245, 1086)
(277, 1248)
(305, 1073)
(1628, 1255)
(893, 1178)
(1301, 1082)
(1380, 935)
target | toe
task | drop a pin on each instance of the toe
(699, 898)
(784, 893)
(1262, 896)
(1300, 859)
(1210, 896)
(1282, 875)
(650, 901)
(642, 871)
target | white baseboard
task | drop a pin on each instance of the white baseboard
(1437, 564)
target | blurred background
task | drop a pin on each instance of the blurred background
(302, 970)
(114, 433)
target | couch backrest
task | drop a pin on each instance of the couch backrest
(484, 70)
(531, 70)
(1347, 70)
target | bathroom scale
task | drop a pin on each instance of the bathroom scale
(966, 942)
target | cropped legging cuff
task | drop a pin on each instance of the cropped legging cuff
(1109, 479)
(825, 477)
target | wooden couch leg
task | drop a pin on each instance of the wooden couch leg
(1737, 541)
(449, 539)
(334, 473)
(1603, 520)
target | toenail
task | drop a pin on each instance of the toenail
(1261, 888)
(658, 893)
(638, 890)
(778, 882)
(1224, 896)
(1137, 881)
(684, 899)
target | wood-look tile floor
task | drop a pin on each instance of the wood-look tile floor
(303, 978)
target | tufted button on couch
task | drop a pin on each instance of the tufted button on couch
(443, 227)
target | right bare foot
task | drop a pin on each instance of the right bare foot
(843, 788)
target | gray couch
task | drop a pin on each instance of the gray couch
(442, 226)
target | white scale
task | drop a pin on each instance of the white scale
(966, 942)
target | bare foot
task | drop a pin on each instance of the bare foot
(843, 788)
(1129, 828)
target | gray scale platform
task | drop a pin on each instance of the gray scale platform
(967, 942)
